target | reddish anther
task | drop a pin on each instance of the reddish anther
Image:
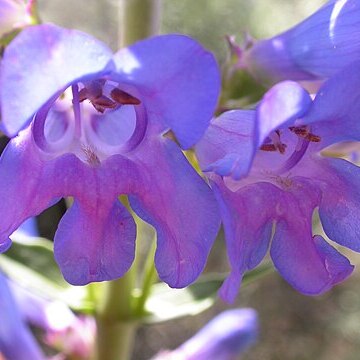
(268, 147)
(304, 132)
(123, 97)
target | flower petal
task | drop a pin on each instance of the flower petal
(95, 244)
(280, 107)
(39, 63)
(16, 340)
(178, 80)
(227, 148)
(29, 183)
(334, 114)
(181, 207)
(339, 207)
(20, 194)
(309, 264)
(318, 47)
(247, 236)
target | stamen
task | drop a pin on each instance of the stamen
(77, 113)
(123, 97)
(276, 144)
(296, 156)
(304, 132)
(268, 147)
(102, 103)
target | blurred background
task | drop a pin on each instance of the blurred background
(293, 327)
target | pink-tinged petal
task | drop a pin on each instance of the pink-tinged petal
(95, 243)
(29, 183)
(16, 339)
(228, 146)
(334, 114)
(247, 235)
(178, 81)
(38, 311)
(339, 207)
(280, 107)
(39, 63)
(309, 264)
(181, 207)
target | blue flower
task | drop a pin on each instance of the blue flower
(317, 48)
(93, 126)
(269, 171)
(13, 326)
(223, 338)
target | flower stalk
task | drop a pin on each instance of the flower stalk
(138, 19)
(116, 318)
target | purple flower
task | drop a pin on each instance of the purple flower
(223, 338)
(317, 48)
(97, 125)
(269, 174)
(16, 340)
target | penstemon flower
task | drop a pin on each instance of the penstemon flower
(93, 129)
(316, 48)
(13, 326)
(223, 338)
(269, 172)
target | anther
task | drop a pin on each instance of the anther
(303, 131)
(268, 147)
(123, 97)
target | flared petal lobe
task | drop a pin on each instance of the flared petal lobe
(309, 264)
(317, 48)
(41, 62)
(247, 216)
(95, 244)
(178, 80)
(96, 237)
(181, 207)
(339, 207)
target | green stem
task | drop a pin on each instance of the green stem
(150, 277)
(138, 20)
(115, 320)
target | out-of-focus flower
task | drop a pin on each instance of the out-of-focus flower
(268, 175)
(76, 340)
(223, 338)
(96, 131)
(65, 332)
(317, 48)
(16, 339)
(14, 14)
